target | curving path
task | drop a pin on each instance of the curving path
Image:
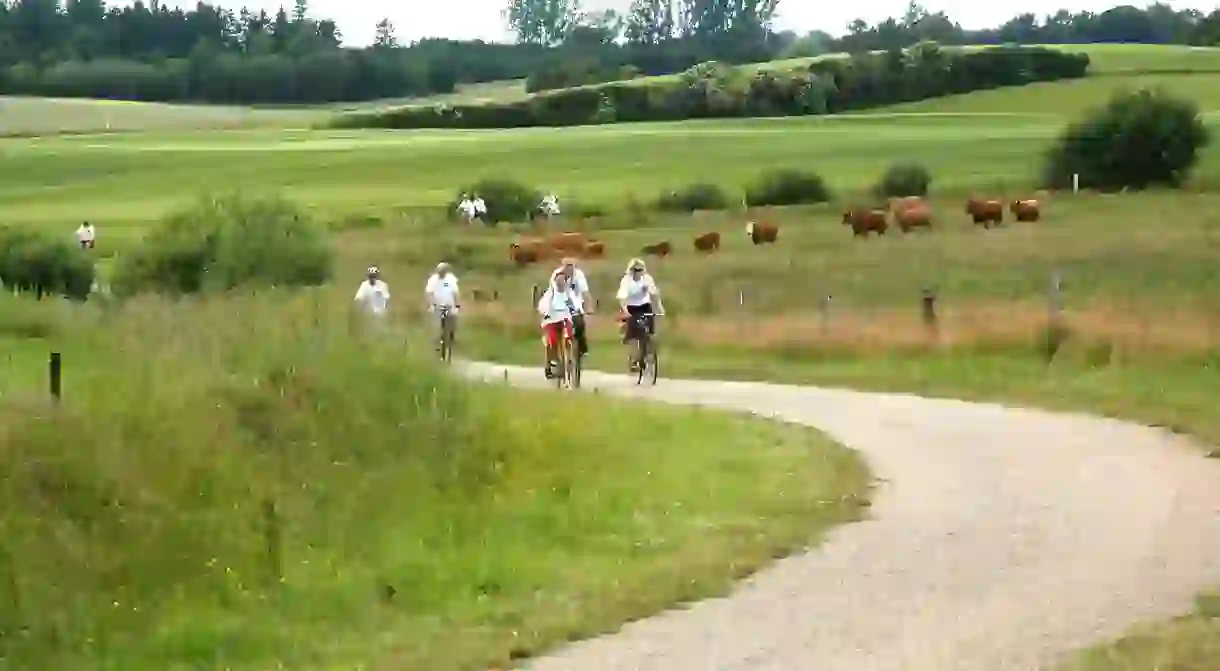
(1000, 539)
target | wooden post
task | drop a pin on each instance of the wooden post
(534, 295)
(1056, 330)
(929, 309)
(56, 375)
(825, 313)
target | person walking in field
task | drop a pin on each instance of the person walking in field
(480, 209)
(467, 208)
(86, 235)
(373, 296)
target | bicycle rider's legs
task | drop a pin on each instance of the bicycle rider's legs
(578, 331)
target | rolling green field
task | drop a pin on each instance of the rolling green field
(1139, 273)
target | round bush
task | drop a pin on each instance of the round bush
(694, 197)
(32, 261)
(1136, 140)
(902, 180)
(225, 242)
(787, 187)
(506, 199)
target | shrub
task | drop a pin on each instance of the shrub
(694, 197)
(506, 200)
(904, 179)
(32, 261)
(787, 187)
(224, 242)
(1136, 140)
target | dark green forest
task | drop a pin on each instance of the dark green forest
(147, 51)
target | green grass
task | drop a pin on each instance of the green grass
(135, 536)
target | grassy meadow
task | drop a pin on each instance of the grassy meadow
(1139, 281)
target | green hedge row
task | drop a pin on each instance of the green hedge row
(713, 90)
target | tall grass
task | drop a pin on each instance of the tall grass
(248, 482)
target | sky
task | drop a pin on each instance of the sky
(480, 19)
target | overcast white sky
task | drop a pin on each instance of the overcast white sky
(470, 19)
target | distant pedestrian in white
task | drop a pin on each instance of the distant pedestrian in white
(467, 208)
(374, 295)
(549, 206)
(86, 235)
(480, 209)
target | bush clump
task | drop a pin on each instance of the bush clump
(787, 187)
(506, 199)
(694, 197)
(902, 180)
(225, 242)
(1137, 140)
(32, 261)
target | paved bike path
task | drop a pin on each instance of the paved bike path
(1000, 538)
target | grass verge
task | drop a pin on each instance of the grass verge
(253, 482)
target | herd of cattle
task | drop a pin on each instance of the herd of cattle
(907, 213)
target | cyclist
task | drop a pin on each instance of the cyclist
(374, 294)
(441, 291)
(557, 308)
(578, 287)
(638, 296)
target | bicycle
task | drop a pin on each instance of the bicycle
(446, 343)
(569, 359)
(643, 359)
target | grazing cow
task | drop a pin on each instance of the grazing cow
(661, 249)
(568, 243)
(985, 212)
(595, 249)
(762, 233)
(708, 242)
(526, 251)
(905, 203)
(863, 222)
(917, 215)
(1026, 210)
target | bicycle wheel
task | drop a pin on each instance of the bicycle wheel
(637, 357)
(446, 340)
(650, 362)
(577, 366)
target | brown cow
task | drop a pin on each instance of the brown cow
(762, 233)
(985, 212)
(568, 242)
(661, 249)
(526, 251)
(708, 242)
(914, 216)
(907, 202)
(1026, 210)
(863, 222)
(595, 249)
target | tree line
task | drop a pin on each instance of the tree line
(150, 51)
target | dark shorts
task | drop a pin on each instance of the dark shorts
(649, 319)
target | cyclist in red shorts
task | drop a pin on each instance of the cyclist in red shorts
(557, 308)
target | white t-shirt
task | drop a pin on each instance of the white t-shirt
(375, 297)
(467, 208)
(637, 292)
(550, 205)
(555, 306)
(479, 206)
(442, 290)
(578, 286)
(85, 233)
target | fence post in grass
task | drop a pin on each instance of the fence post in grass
(1056, 331)
(824, 309)
(1075, 182)
(929, 309)
(273, 537)
(56, 375)
(534, 295)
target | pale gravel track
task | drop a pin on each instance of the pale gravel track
(999, 538)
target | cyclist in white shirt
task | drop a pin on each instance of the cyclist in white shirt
(557, 307)
(638, 295)
(467, 208)
(442, 291)
(86, 235)
(578, 285)
(374, 294)
(480, 208)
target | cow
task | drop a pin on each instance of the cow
(985, 212)
(595, 249)
(905, 203)
(863, 222)
(526, 251)
(916, 215)
(708, 242)
(661, 249)
(1026, 210)
(568, 243)
(762, 233)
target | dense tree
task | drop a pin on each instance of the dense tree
(545, 22)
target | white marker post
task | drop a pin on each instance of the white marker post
(1075, 182)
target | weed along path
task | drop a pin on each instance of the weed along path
(999, 539)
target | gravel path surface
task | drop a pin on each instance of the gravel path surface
(1000, 539)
